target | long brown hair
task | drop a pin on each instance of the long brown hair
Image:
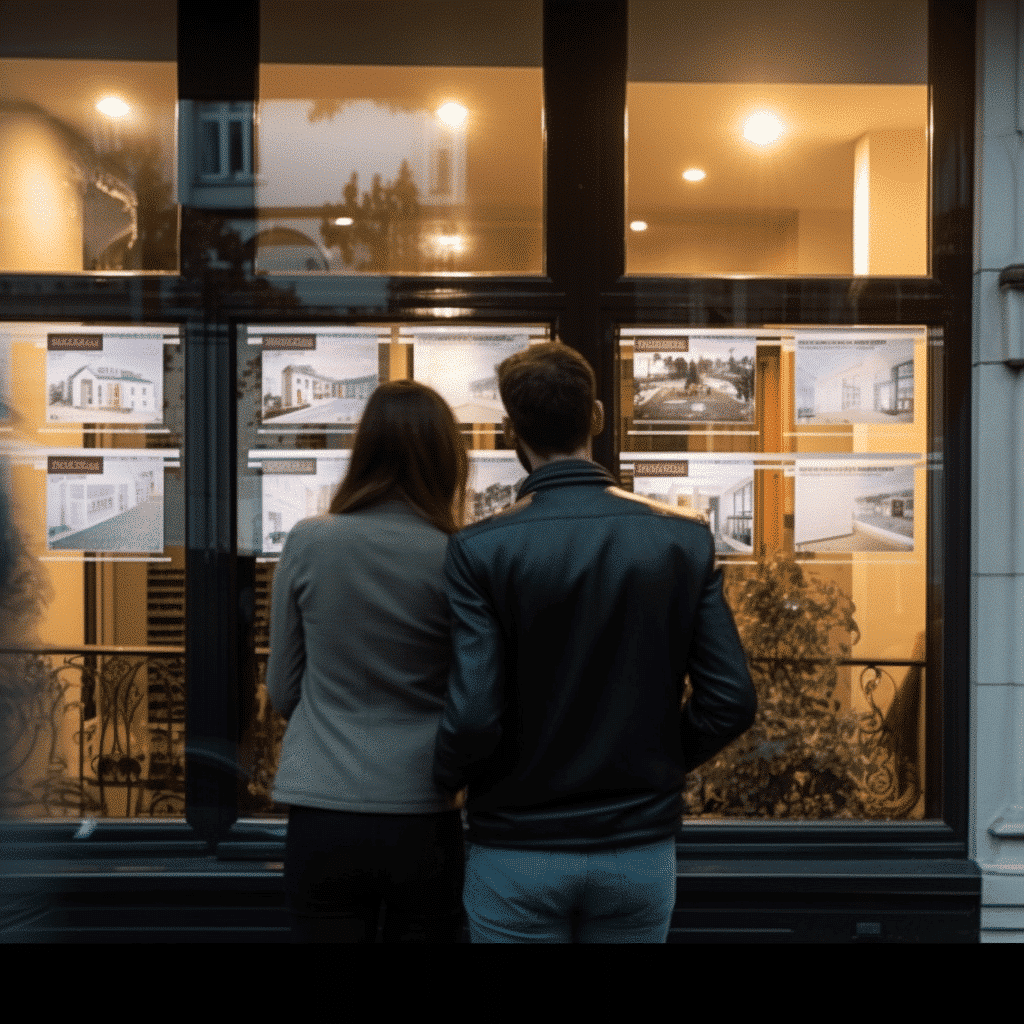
(407, 446)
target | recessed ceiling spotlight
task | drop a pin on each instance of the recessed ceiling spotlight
(112, 106)
(343, 222)
(452, 113)
(694, 174)
(638, 225)
(762, 128)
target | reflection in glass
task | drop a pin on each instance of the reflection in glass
(418, 149)
(87, 165)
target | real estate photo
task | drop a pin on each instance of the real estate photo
(864, 381)
(711, 382)
(854, 508)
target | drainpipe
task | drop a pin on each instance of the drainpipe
(1009, 823)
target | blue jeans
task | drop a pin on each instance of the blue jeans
(620, 895)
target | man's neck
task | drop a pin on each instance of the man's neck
(536, 461)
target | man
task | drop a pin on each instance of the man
(576, 615)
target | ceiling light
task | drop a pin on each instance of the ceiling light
(453, 114)
(762, 128)
(343, 222)
(112, 106)
(694, 174)
(450, 243)
(638, 225)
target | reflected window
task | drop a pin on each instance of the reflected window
(778, 139)
(224, 141)
(87, 141)
(401, 138)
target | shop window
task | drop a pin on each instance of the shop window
(94, 639)
(87, 138)
(302, 390)
(817, 500)
(777, 139)
(404, 137)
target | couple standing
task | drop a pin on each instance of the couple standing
(530, 665)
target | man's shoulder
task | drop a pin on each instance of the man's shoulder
(659, 507)
(500, 518)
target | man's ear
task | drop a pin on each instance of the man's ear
(597, 419)
(509, 431)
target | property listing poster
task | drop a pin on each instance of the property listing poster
(107, 376)
(317, 378)
(494, 480)
(688, 378)
(855, 377)
(105, 502)
(294, 487)
(461, 365)
(854, 505)
(722, 489)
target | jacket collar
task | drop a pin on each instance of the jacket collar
(566, 473)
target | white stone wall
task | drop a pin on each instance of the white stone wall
(997, 563)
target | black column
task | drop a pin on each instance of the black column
(218, 61)
(585, 103)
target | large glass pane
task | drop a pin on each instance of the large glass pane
(398, 137)
(807, 450)
(93, 662)
(775, 139)
(302, 391)
(87, 137)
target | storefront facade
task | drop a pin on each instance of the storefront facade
(810, 351)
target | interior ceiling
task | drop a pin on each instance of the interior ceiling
(672, 126)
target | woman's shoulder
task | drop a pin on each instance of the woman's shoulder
(391, 517)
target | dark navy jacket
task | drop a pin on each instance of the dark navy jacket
(576, 615)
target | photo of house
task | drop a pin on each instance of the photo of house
(700, 380)
(854, 507)
(722, 490)
(118, 379)
(494, 480)
(116, 506)
(855, 380)
(461, 367)
(327, 384)
(296, 489)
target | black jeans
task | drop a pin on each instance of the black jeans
(340, 867)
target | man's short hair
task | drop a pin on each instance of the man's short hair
(548, 391)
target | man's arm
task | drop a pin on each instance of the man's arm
(287, 662)
(470, 727)
(723, 703)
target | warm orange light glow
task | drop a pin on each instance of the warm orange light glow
(694, 174)
(638, 225)
(451, 243)
(343, 222)
(762, 128)
(453, 114)
(113, 106)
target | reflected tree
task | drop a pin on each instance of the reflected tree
(378, 231)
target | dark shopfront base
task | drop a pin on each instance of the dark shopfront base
(176, 892)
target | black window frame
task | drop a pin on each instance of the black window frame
(585, 297)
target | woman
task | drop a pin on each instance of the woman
(359, 652)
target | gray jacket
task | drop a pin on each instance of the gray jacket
(359, 655)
